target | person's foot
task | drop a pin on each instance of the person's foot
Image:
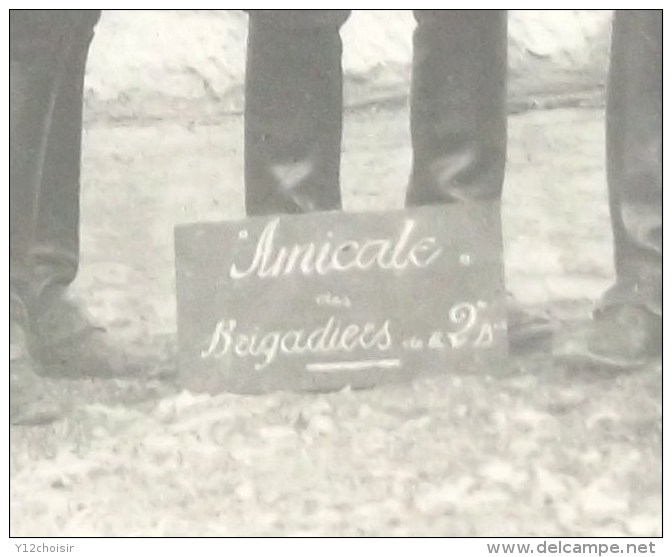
(66, 342)
(528, 327)
(619, 338)
(30, 401)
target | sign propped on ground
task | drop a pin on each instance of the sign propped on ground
(326, 300)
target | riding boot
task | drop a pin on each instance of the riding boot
(293, 112)
(458, 106)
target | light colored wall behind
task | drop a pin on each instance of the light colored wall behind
(160, 64)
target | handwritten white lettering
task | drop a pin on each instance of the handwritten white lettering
(330, 338)
(333, 300)
(398, 254)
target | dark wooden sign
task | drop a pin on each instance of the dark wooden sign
(325, 300)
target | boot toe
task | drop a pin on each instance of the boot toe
(619, 338)
(67, 343)
(88, 355)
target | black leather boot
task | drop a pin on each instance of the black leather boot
(458, 106)
(293, 112)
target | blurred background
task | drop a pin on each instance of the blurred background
(194, 60)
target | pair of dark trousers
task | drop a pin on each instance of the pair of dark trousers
(48, 52)
(294, 112)
(634, 157)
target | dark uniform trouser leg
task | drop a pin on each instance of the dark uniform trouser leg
(47, 56)
(41, 42)
(293, 111)
(55, 254)
(32, 80)
(458, 106)
(634, 157)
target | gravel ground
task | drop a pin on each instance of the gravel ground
(537, 450)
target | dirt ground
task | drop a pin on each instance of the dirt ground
(543, 450)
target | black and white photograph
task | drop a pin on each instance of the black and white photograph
(336, 273)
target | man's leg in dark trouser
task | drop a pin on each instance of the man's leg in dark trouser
(64, 338)
(627, 328)
(459, 121)
(293, 111)
(55, 250)
(48, 50)
(458, 106)
(39, 41)
(634, 157)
